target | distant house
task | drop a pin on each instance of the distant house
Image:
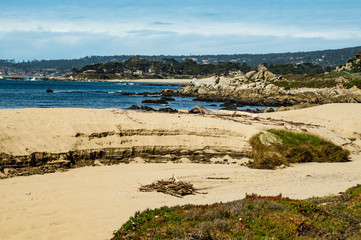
(89, 71)
(358, 55)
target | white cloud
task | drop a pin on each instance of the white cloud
(122, 29)
(78, 30)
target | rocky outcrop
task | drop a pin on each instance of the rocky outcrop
(351, 65)
(256, 88)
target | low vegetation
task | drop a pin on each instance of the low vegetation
(274, 148)
(319, 80)
(255, 217)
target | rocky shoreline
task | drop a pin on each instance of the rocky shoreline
(257, 88)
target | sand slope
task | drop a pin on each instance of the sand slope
(92, 202)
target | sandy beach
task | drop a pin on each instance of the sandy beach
(92, 202)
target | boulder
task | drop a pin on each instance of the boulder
(203, 90)
(250, 74)
(258, 75)
(251, 85)
(188, 90)
(261, 68)
(168, 110)
(268, 75)
(157, 101)
(134, 107)
(269, 109)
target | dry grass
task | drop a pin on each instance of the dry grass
(280, 147)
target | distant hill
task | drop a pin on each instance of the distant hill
(331, 58)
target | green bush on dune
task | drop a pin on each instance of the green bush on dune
(273, 148)
(255, 217)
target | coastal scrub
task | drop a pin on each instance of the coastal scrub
(274, 148)
(255, 217)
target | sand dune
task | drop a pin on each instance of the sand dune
(92, 202)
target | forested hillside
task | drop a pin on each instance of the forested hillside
(323, 58)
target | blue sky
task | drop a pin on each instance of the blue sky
(64, 29)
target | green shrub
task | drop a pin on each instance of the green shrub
(182, 77)
(280, 147)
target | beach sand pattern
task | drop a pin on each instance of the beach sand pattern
(92, 202)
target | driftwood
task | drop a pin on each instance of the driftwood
(172, 187)
(207, 111)
(218, 178)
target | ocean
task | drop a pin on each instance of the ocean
(71, 94)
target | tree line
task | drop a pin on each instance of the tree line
(323, 58)
(137, 67)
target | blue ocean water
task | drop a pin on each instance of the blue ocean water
(71, 94)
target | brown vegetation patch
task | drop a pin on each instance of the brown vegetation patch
(280, 147)
(172, 187)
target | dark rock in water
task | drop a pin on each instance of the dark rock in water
(167, 99)
(213, 105)
(149, 94)
(230, 108)
(146, 108)
(168, 110)
(158, 101)
(49, 90)
(239, 105)
(134, 107)
(228, 105)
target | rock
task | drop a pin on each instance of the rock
(9, 171)
(261, 68)
(228, 106)
(147, 108)
(168, 99)
(269, 109)
(188, 90)
(97, 163)
(250, 74)
(49, 90)
(168, 110)
(203, 90)
(341, 80)
(258, 75)
(268, 75)
(251, 85)
(134, 107)
(158, 101)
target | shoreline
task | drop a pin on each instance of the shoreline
(167, 80)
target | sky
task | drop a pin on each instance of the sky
(66, 29)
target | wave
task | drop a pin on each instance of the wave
(87, 91)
